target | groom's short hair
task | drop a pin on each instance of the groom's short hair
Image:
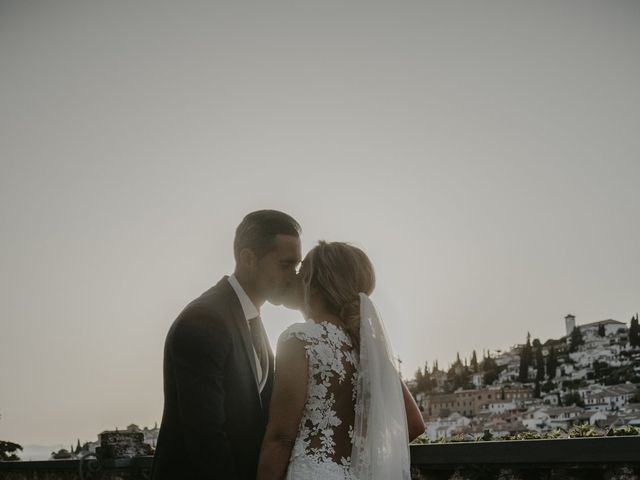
(258, 230)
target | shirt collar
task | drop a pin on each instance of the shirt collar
(249, 309)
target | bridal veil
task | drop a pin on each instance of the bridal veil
(381, 439)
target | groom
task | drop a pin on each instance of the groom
(218, 365)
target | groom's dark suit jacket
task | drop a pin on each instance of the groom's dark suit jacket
(214, 418)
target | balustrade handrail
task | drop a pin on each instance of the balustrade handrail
(548, 451)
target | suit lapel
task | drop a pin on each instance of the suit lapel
(240, 323)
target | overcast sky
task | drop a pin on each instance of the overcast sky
(484, 153)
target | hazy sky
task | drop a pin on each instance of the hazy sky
(485, 155)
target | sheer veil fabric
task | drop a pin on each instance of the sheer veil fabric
(381, 439)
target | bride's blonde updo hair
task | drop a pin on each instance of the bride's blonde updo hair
(338, 272)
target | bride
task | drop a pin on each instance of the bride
(339, 410)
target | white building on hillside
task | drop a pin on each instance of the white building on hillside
(499, 407)
(446, 427)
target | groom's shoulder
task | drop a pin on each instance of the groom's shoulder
(213, 303)
(209, 311)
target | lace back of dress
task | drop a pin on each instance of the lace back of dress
(326, 429)
(340, 394)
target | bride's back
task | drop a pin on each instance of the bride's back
(326, 427)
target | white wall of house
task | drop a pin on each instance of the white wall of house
(499, 407)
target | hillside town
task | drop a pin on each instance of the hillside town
(589, 376)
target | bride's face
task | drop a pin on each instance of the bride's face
(295, 294)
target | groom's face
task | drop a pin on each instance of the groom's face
(277, 269)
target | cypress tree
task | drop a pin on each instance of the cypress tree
(525, 360)
(634, 332)
(419, 380)
(576, 339)
(552, 363)
(539, 358)
(536, 392)
(474, 362)
(601, 330)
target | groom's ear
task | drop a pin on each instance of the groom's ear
(247, 258)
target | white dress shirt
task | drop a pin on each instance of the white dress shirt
(250, 311)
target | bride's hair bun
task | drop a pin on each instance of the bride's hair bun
(350, 316)
(339, 272)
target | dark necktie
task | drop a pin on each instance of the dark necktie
(258, 340)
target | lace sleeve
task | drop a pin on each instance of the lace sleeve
(308, 332)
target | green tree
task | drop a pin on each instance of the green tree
(458, 375)
(601, 330)
(525, 360)
(489, 369)
(600, 369)
(539, 360)
(571, 398)
(576, 339)
(8, 451)
(430, 378)
(552, 363)
(474, 362)
(536, 391)
(547, 386)
(634, 332)
(419, 377)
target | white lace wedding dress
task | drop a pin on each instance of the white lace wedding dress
(354, 423)
(323, 446)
